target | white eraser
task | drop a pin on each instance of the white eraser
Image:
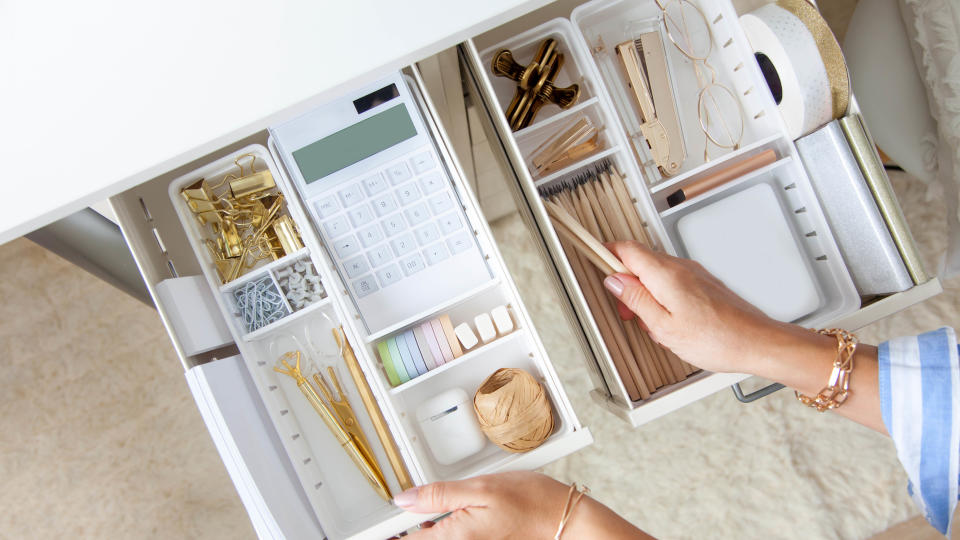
(467, 338)
(485, 327)
(501, 318)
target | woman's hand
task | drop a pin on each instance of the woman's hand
(510, 505)
(697, 317)
(694, 315)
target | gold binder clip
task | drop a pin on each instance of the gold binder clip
(535, 83)
(252, 183)
(286, 234)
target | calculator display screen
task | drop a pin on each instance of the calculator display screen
(354, 143)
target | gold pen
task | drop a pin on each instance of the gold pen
(376, 416)
(348, 419)
(346, 442)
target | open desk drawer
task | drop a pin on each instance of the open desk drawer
(290, 478)
(585, 37)
(279, 453)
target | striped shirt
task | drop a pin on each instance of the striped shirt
(919, 380)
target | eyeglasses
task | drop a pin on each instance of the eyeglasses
(719, 110)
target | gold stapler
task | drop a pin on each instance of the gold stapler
(645, 64)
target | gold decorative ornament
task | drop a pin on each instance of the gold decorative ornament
(535, 83)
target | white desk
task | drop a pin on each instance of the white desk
(100, 96)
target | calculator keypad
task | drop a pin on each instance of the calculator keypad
(393, 223)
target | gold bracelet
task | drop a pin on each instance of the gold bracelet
(571, 504)
(838, 387)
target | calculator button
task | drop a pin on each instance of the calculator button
(379, 255)
(459, 242)
(432, 182)
(403, 244)
(398, 173)
(408, 193)
(436, 253)
(450, 223)
(370, 235)
(384, 204)
(346, 247)
(374, 184)
(393, 225)
(337, 226)
(389, 275)
(422, 162)
(364, 286)
(360, 215)
(350, 196)
(441, 203)
(427, 234)
(356, 266)
(327, 206)
(412, 264)
(417, 214)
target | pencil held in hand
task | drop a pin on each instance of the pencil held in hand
(587, 210)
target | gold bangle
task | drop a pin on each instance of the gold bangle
(572, 501)
(838, 387)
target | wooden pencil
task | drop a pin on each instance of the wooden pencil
(612, 334)
(608, 309)
(591, 218)
(633, 217)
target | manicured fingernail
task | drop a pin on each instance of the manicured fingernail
(406, 499)
(614, 285)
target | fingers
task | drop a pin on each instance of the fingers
(647, 265)
(636, 297)
(441, 497)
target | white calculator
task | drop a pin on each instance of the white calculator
(383, 202)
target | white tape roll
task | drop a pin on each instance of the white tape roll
(807, 102)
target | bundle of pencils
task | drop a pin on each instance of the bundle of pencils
(588, 208)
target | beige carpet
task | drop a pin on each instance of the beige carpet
(101, 437)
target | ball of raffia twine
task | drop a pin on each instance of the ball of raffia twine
(513, 410)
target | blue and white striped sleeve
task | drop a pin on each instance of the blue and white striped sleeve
(919, 380)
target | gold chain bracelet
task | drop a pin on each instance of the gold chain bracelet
(572, 501)
(838, 387)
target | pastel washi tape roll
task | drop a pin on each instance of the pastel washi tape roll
(398, 364)
(414, 349)
(387, 362)
(441, 340)
(432, 342)
(428, 357)
(406, 356)
(451, 335)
